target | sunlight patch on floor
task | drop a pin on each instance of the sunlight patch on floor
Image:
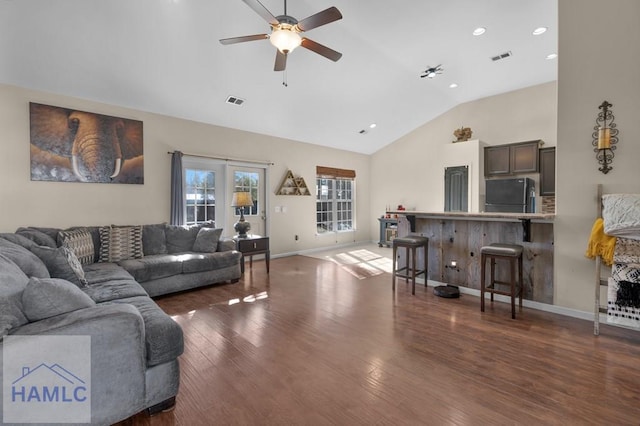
(361, 263)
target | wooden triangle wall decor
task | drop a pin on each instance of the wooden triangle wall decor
(293, 185)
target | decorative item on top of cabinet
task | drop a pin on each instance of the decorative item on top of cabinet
(293, 185)
(521, 157)
(462, 134)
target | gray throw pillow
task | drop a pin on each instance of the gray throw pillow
(207, 240)
(80, 242)
(28, 262)
(181, 238)
(61, 263)
(37, 236)
(154, 239)
(49, 297)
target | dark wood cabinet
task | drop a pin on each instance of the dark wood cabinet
(511, 159)
(496, 160)
(524, 157)
(548, 171)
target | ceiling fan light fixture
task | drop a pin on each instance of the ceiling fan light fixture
(285, 39)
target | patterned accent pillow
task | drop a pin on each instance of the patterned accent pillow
(120, 243)
(61, 263)
(79, 241)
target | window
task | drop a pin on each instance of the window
(200, 196)
(247, 182)
(335, 200)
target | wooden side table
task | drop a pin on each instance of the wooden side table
(251, 246)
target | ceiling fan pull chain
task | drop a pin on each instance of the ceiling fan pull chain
(285, 7)
(284, 79)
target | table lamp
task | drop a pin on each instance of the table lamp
(242, 200)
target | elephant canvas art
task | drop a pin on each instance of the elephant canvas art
(68, 145)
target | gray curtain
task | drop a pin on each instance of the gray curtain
(177, 191)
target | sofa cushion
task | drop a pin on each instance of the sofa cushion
(48, 297)
(120, 243)
(20, 240)
(28, 262)
(199, 262)
(153, 267)
(154, 239)
(207, 240)
(108, 281)
(61, 263)
(80, 242)
(37, 236)
(12, 283)
(180, 239)
(163, 336)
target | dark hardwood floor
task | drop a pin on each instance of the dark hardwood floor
(311, 344)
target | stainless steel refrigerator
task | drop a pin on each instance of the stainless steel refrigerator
(515, 195)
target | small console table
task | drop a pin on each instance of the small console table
(251, 246)
(388, 231)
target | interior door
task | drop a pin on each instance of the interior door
(248, 179)
(456, 189)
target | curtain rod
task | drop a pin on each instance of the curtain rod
(213, 157)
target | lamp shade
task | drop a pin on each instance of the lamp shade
(241, 199)
(285, 40)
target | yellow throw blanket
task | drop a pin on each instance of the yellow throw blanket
(600, 244)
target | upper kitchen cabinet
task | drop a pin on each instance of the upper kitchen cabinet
(511, 159)
(548, 171)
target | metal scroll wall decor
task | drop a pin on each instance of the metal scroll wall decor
(605, 137)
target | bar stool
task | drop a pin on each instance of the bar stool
(512, 253)
(411, 243)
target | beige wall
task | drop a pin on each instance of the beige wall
(411, 170)
(25, 203)
(598, 60)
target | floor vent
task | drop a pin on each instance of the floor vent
(235, 100)
(502, 56)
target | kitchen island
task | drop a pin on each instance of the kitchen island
(455, 239)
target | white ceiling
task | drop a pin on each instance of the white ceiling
(163, 56)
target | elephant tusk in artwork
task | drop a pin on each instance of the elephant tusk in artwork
(74, 165)
(117, 170)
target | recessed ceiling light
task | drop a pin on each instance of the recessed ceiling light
(479, 31)
(539, 30)
(453, 85)
(552, 56)
(372, 125)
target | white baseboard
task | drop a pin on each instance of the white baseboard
(561, 310)
(319, 249)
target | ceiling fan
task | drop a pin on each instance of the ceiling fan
(431, 72)
(286, 30)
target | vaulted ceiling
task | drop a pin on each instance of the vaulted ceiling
(163, 56)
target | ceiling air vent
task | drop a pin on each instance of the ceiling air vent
(235, 100)
(502, 56)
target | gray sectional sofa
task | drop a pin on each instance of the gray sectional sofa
(97, 281)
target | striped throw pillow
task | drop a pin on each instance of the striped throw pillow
(120, 243)
(79, 241)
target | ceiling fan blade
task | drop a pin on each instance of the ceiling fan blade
(321, 49)
(234, 40)
(281, 61)
(321, 18)
(262, 11)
